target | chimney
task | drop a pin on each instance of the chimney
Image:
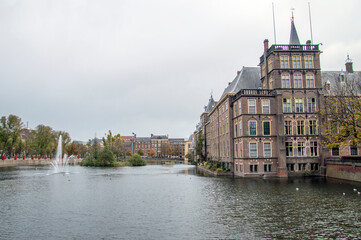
(349, 68)
(229, 83)
(238, 72)
(265, 44)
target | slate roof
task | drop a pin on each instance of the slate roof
(143, 139)
(247, 78)
(294, 40)
(210, 105)
(335, 78)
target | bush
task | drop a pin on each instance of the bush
(136, 160)
(99, 159)
(219, 170)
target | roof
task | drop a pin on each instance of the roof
(143, 139)
(294, 40)
(159, 136)
(247, 78)
(337, 78)
(210, 104)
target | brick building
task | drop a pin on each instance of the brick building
(266, 121)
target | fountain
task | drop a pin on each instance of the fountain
(60, 163)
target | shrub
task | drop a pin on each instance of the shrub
(219, 170)
(136, 160)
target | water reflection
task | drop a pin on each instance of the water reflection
(173, 202)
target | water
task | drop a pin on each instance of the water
(172, 202)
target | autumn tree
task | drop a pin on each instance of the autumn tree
(114, 144)
(341, 114)
(151, 152)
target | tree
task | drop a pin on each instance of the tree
(170, 151)
(151, 152)
(115, 144)
(136, 160)
(44, 140)
(140, 152)
(129, 152)
(200, 146)
(10, 130)
(341, 115)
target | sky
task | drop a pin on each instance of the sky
(148, 66)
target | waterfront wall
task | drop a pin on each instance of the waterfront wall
(31, 162)
(346, 168)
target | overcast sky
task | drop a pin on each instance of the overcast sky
(147, 66)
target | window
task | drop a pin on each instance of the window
(299, 105)
(288, 127)
(266, 128)
(311, 105)
(353, 150)
(310, 82)
(300, 127)
(308, 62)
(300, 149)
(240, 107)
(313, 128)
(251, 106)
(314, 166)
(285, 81)
(297, 81)
(235, 130)
(253, 168)
(265, 106)
(289, 149)
(335, 151)
(302, 167)
(291, 167)
(240, 150)
(296, 60)
(252, 128)
(267, 167)
(267, 149)
(284, 61)
(286, 105)
(236, 150)
(253, 149)
(240, 128)
(313, 147)
(271, 83)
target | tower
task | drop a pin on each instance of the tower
(293, 72)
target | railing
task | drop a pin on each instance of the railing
(254, 92)
(286, 47)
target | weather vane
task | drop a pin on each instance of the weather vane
(292, 9)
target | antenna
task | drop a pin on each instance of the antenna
(292, 9)
(309, 14)
(274, 24)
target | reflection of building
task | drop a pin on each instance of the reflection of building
(266, 121)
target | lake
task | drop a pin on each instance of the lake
(172, 202)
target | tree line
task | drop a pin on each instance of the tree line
(16, 140)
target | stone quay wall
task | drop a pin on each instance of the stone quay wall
(346, 168)
(33, 162)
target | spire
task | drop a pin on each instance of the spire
(294, 37)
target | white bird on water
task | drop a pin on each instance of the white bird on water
(355, 190)
(344, 194)
(297, 189)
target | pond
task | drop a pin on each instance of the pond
(172, 202)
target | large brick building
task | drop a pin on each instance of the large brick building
(266, 121)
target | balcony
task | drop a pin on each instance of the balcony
(254, 92)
